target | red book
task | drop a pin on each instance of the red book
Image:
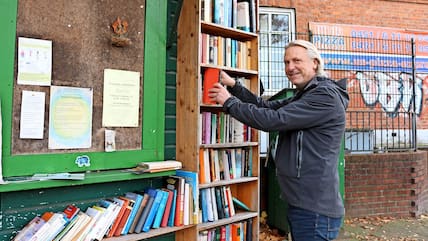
(125, 216)
(123, 204)
(165, 217)
(211, 76)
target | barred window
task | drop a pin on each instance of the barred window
(277, 26)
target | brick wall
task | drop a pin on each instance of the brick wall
(389, 184)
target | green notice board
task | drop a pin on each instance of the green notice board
(80, 33)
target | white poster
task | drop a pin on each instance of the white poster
(70, 118)
(34, 61)
(121, 98)
(32, 115)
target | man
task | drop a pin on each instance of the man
(310, 126)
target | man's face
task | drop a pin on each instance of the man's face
(299, 68)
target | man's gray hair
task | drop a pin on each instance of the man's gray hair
(313, 53)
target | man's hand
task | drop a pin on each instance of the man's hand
(219, 93)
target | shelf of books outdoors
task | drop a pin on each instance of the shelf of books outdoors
(227, 32)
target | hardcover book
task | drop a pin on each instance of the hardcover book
(153, 210)
(211, 76)
(147, 208)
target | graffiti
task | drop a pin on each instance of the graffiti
(391, 91)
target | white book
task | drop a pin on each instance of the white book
(57, 222)
(210, 214)
(186, 213)
(243, 18)
(214, 204)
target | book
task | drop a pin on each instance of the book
(211, 76)
(94, 214)
(243, 16)
(65, 230)
(161, 209)
(171, 217)
(57, 223)
(42, 231)
(179, 207)
(214, 203)
(192, 179)
(146, 210)
(123, 204)
(128, 209)
(228, 197)
(137, 199)
(240, 204)
(139, 212)
(155, 166)
(249, 233)
(82, 219)
(204, 205)
(153, 210)
(110, 211)
(186, 209)
(29, 229)
(168, 205)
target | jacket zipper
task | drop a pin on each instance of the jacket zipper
(299, 152)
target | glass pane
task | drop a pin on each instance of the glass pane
(280, 22)
(263, 40)
(264, 22)
(280, 40)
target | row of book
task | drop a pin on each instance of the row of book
(216, 203)
(240, 231)
(176, 204)
(227, 52)
(219, 127)
(239, 14)
(224, 164)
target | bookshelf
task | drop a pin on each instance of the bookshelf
(193, 44)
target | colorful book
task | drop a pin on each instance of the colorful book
(139, 212)
(152, 213)
(137, 198)
(211, 76)
(128, 209)
(161, 209)
(123, 204)
(192, 179)
(147, 208)
(165, 216)
(172, 213)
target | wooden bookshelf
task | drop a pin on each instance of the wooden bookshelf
(190, 67)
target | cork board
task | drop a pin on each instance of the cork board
(80, 31)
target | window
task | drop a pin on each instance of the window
(277, 26)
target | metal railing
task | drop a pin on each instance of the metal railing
(384, 98)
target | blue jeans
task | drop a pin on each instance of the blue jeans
(309, 226)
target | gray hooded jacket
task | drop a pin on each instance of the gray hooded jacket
(311, 126)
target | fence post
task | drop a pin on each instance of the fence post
(415, 144)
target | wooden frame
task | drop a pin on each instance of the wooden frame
(153, 106)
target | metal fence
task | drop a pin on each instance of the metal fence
(384, 98)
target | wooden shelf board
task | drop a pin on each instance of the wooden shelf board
(219, 30)
(150, 234)
(237, 218)
(25, 183)
(228, 182)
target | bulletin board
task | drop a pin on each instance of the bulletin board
(82, 35)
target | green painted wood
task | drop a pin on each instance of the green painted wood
(153, 104)
(19, 207)
(23, 183)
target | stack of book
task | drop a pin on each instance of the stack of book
(175, 204)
